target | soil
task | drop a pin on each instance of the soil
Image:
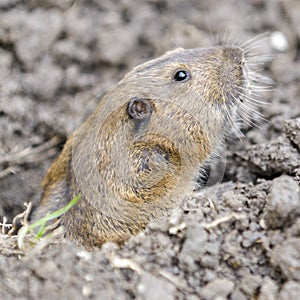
(238, 239)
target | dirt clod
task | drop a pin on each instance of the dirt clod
(237, 240)
(217, 289)
(287, 257)
(283, 202)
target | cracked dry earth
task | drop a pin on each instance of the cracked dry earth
(237, 240)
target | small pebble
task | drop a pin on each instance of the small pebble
(87, 291)
(287, 257)
(268, 290)
(279, 41)
(290, 291)
(163, 289)
(47, 270)
(217, 289)
(283, 202)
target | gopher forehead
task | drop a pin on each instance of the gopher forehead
(176, 59)
(214, 75)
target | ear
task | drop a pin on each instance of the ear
(140, 110)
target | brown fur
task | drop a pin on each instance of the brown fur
(129, 171)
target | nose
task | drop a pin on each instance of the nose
(231, 71)
(233, 54)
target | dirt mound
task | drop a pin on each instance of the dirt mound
(237, 240)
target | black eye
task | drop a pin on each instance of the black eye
(181, 75)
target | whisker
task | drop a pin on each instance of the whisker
(258, 39)
(233, 122)
(175, 42)
(246, 118)
(259, 59)
(224, 37)
(263, 80)
(252, 113)
(251, 118)
(249, 97)
(235, 36)
(257, 102)
(254, 117)
(250, 107)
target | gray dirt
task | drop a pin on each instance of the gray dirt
(237, 240)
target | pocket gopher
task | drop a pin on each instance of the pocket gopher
(139, 154)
